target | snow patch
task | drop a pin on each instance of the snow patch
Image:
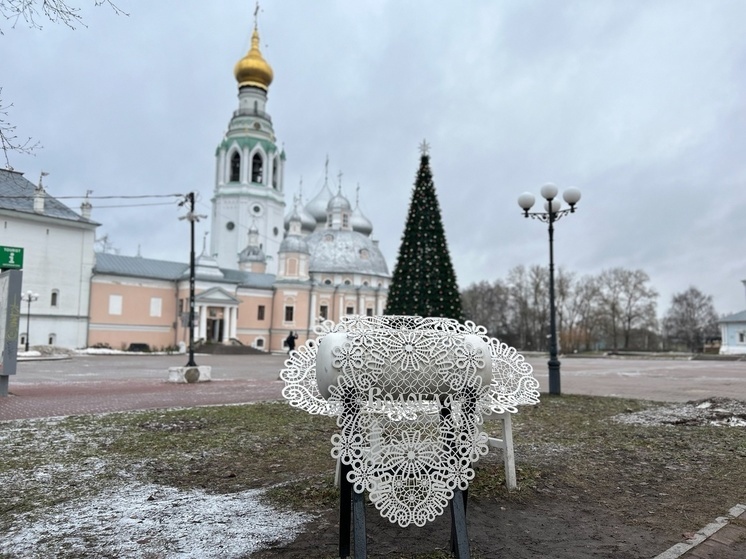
(719, 412)
(141, 521)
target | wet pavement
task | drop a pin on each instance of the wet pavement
(106, 383)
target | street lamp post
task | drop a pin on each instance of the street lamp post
(28, 297)
(553, 213)
(192, 217)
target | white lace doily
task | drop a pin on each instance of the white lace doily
(409, 394)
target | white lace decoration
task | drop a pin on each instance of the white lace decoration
(409, 394)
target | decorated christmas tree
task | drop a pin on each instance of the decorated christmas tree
(424, 283)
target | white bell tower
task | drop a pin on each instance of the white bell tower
(249, 170)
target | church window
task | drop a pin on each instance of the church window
(52, 339)
(324, 311)
(327, 281)
(345, 220)
(350, 310)
(275, 231)
(230, 226)
(257, 168)
(260, 312)
(274, 173)
(741, 337)
(369, 311)
(364, 254)
(55, 298)
(256, 209)
(289, 313)
(348, 282)
(235, 167)
(259, 343)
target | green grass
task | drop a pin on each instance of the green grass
(566, 448)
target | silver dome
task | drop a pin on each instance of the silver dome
(337, 203)
(294, 243)
(334, 250)
(360, 223)
(251, 254)
(317, 206)
(307, 221)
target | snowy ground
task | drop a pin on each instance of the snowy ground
(713, 411)
(98, 507)
(142, 521)
(52, 351)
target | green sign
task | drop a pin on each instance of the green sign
(11, 257)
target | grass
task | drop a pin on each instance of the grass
(567, 448)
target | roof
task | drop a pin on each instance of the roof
(344, 251)
(737, 317)
(17, 194)
(138, 267)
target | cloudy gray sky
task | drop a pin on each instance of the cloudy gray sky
(641, 105)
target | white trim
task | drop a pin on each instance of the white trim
(128, 327)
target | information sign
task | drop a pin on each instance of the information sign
(11, 258)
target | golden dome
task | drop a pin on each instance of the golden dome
(252, 69)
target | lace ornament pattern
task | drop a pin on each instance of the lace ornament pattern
(409, 394)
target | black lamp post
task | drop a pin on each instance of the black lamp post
(29, 297)
(192, 218)
(554, 212)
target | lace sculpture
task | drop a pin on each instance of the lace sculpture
(409, 394)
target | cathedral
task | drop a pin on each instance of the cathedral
(271, 268)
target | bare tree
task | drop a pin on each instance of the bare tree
(628, 303)
(690, 319)
(577, 311)
(488, 305)
(9, 141)
(34, 12)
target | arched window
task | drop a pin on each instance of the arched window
(274, 173)
(55, 298)
(257, 168)
(235, 167)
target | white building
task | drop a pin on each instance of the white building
(57, 262)
(733, 333)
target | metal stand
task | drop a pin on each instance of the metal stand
(459, 535)
(351, 511)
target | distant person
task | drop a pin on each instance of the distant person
(290, 341)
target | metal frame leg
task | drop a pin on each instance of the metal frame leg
(345, 508)
(459, 535)
(358, 525)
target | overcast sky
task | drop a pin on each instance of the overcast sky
(641, 105)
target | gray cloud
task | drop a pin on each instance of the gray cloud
(639, 104)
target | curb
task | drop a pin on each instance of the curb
(43, 358)
(680, 549)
